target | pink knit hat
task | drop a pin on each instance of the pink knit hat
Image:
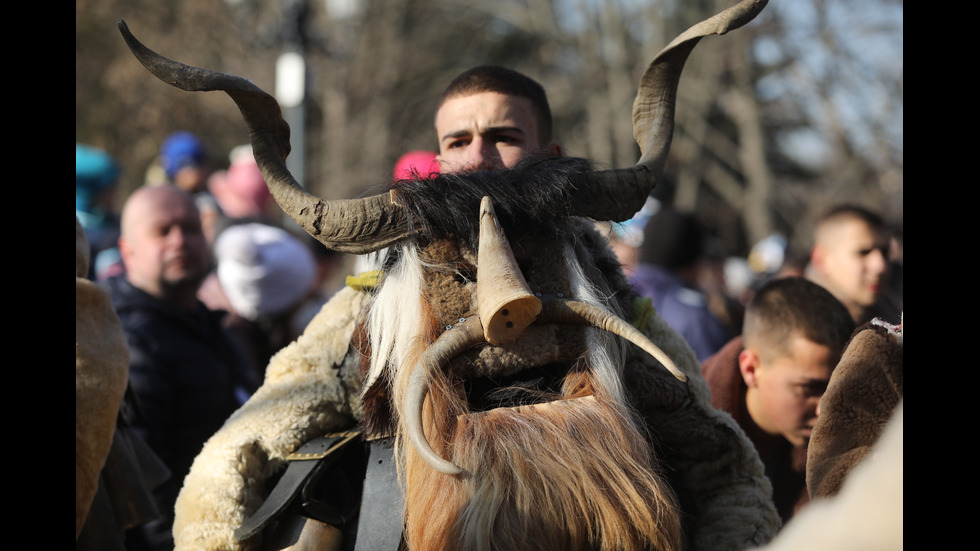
(241, 190)
(416, 164)
(245, 180)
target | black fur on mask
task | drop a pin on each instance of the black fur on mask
(531, 197)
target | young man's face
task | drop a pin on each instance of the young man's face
(485, 131)
(784, 391)
(852, 261)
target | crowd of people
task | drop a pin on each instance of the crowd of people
(799, 317)
(209, 285)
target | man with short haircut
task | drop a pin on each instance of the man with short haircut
(491, 117)
(186, 372)
(771, 378)
(849, 258)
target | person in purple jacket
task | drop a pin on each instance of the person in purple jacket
(667, 273)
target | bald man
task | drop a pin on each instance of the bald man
(187, 372)
(163, 246)
(849, 258)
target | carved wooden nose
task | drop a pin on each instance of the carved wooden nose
(506, 303)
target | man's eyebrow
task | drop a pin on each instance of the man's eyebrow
(502, 129)
(810, 381)
(486, 132)
(456, 134)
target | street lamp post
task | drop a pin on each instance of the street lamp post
(291, 84)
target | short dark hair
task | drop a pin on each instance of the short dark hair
(788, 304)
(845, 213)
(672, 239)
(494, 78)
(853, 212)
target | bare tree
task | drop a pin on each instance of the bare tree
(800, 109)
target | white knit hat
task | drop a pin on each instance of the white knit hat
(264, 270)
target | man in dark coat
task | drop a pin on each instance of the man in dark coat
(187, 373)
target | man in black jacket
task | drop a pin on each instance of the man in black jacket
(186, 371)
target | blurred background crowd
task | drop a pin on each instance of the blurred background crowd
(800, 110)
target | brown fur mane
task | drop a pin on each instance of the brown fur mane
(575, 473)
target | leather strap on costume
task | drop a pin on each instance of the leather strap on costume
(304, 465)
(380, 525)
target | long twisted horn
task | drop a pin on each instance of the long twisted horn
(352, 226)
(619, 194)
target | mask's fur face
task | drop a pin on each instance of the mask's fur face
(569, 474)
(553, 456)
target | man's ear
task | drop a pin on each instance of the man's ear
(556, 149)
(817, 254)
(124, 249)
(748, 366)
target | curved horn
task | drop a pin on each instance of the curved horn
(618, 194)
(449, 345)
(352, 226)
(556, 310)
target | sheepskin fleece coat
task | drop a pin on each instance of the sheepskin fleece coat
(785, 464)
(863, 393)
(311, 388)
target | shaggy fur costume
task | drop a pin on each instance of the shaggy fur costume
(101, 370)
(312, 387)
(862, 395)
(412, 356)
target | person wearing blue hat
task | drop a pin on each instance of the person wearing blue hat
(185, 161)
(187, 165)
(96, 179)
